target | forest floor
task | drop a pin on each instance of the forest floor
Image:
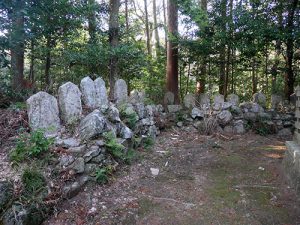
(201, 180)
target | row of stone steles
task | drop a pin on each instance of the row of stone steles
(45, 112)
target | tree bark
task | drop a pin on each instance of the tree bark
(172, 50)
(114, 42)
(147, 28)
(48, 64)
(165, 25)
(17, 42)
(157, 45)
(31, 70)
(289, 74)
(223, 51)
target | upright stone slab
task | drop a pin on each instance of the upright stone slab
(189, 101)
(260, 99)
(233, 99)
(276, 101)
(169, 98)
(291, 160)
(120, 91)
(101, 93)
(136, 97)
(69, 99)
(218, 102)
(204, 100)
(43, 112)
(88, 91)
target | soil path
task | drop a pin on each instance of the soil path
(201, 180)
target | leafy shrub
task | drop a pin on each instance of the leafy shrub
(33, 181)
(148, 142)
(129, 117)
(102, 175)
(30, 145)
(116, 149)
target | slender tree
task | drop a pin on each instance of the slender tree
(114, 6)
(17, 41)
(148, 39)
(172, 49)
(289, 74)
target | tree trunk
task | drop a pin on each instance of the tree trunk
(172, 50)
(223, 51)
(126, 17)
(274, 69)
(17, 39)
(113, 41)
(48, 64)
(254, 78)
(289, 74)
(165, 25)
(31, 70)
(147, 28)
(201, 81)
(157, 46)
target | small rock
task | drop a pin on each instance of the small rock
(68, 143)
(93, 152)
(224, 117)
(154, 171)
(174, 108)
(169, 98)
(179, 124)
(284, 133)
(78, 165)
(197, 113)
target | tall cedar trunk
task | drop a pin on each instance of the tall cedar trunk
(31, 69)
(126, 17)
(48, 64)
(172, 50)
(289, 74)
(92, 26)
(113, 41)
(254, 78)
(223, 50)
(17, 40)
(274, 69)
(201, 81)
(157, 46)
(229, 51)
(147, 28)
(165, 25)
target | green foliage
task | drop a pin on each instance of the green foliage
(30, 146)
(102, 174)
(129, 117)
(33, 181)
(148, 142)
(117, 150)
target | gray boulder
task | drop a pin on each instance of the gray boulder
(92, 125)
(197, 113)
(224, 117)
(260, 99)
(43, 112)
(238, 127)
(113, 114)
(174, 108)
(233, 99)
(276, 101)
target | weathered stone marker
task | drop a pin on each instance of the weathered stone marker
(189, 101)
(69, 99)
(93, 92)
(120, 91)
(291, 161)
(43, 112)
(88, 91)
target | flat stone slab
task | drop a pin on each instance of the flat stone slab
(291, 164)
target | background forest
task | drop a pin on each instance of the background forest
(225, 46)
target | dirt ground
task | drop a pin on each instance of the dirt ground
(201, 180)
